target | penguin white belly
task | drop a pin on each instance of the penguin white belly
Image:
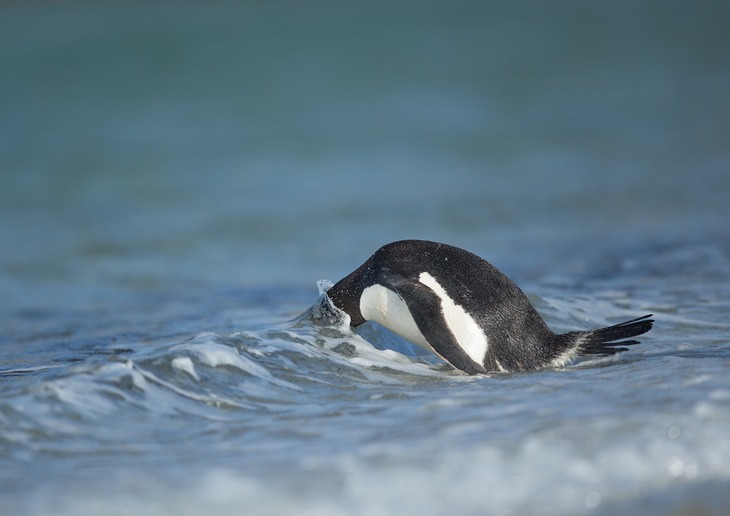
(382, 305)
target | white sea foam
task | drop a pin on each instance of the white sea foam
(185, 365)
(210, 353)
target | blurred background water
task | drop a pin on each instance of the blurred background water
(175, 168)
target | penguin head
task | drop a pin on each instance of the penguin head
(346, 293)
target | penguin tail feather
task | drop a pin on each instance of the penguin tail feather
(609, 340)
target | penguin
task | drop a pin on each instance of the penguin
(459, 306)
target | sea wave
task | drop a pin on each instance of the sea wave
(247, 370)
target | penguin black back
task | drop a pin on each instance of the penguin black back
(460, 306)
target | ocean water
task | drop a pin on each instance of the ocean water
(176, 179)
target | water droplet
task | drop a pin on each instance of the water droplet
(674, 432)
(675, 466)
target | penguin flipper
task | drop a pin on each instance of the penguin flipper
(425, 308)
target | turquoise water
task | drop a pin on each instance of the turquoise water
(176, 178)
